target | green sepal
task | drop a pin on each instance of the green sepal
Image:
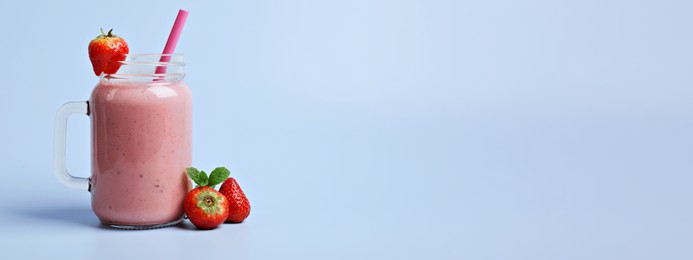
(104, 35)
(211, 210)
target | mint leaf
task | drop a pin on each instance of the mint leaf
(199, 177)
(203, 179)
(194, 174)
(218, 175)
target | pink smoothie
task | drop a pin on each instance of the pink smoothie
(141, 145)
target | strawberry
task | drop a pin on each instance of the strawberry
(106, 52)
(239, 206)
(205, 207)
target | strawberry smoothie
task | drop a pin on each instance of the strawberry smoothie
(141, 145)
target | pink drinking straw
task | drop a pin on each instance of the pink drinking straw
(172, 39)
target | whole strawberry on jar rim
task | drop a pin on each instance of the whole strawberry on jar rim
(106, 52)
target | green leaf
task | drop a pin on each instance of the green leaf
(219, 175)
(203, 179)
(194, 174)
(199, 177)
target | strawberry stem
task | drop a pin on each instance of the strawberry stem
(109, 33)
(209, 201)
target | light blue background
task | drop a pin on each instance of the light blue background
(379, 129)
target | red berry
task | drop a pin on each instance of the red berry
(106, 52)
(239, 206)
(205, 207)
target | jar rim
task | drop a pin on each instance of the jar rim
(146, 66)
(175, 59)
(154, 54)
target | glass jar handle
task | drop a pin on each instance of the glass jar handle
(59, 169)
